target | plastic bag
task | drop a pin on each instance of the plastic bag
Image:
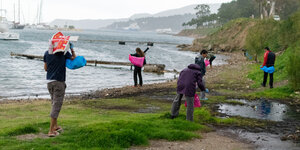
(137, 61)
(197, 102)
(59, 43)
(268, 69)
(76, 63)
(206, 62)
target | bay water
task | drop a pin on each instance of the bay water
(20, 77)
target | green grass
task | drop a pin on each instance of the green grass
(91, 124)
(103, 124)
(200, 31)
(279, 93)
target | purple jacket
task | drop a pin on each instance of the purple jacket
(188, 78)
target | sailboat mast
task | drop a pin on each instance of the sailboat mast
(19, 12)
(14, 13)
(1, 9)
(40, 13)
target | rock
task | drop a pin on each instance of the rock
(283, 138)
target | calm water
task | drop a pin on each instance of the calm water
(24, 77)
(261, 109)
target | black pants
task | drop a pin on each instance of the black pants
(211, 59)
(266, 78)
(137, 71)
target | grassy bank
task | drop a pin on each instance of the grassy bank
(229, 37)
(200, 32)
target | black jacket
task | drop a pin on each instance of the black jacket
(199, 60)
(270, 59)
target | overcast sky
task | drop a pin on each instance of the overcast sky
(93, 9)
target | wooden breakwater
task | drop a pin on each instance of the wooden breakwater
(156, 68)
(124, 42)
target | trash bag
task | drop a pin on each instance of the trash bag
(206, 62)
(76, 63)
(196, 101)
(137, 61)
(268, 69)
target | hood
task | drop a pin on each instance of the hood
(194, 66)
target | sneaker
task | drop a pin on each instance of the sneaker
(263, 85)
(271, 87)
(172, 117)
(204, 99)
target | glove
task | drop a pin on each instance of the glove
(206, 91)
(71, 45)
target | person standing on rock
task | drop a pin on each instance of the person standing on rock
(269, 61)
(186, 85)
(55, 66)
(199, 60)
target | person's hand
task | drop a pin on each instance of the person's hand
(71, 45)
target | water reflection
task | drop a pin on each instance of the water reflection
(260, 109)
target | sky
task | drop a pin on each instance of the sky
(92, 9)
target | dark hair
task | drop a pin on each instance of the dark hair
(267, 48)
(203, 52)
(140, 52)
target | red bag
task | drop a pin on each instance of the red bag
(197, 102)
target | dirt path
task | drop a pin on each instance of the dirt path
(210, 141)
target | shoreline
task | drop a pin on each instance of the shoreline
(164, 94)
(225, 60)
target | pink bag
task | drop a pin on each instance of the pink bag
(137, 61)
(196, 101)
(206, 62)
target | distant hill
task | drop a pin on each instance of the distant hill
(178, 11)
(186, 10)
(142, 15)
(169, 24)
(102, 23)
(85, 24)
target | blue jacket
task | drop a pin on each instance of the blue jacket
(188, 78)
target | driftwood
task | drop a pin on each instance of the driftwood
(157, 68)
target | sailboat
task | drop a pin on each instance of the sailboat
(17, 25)
(4, 32)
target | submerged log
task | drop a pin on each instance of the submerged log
(157, 68)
